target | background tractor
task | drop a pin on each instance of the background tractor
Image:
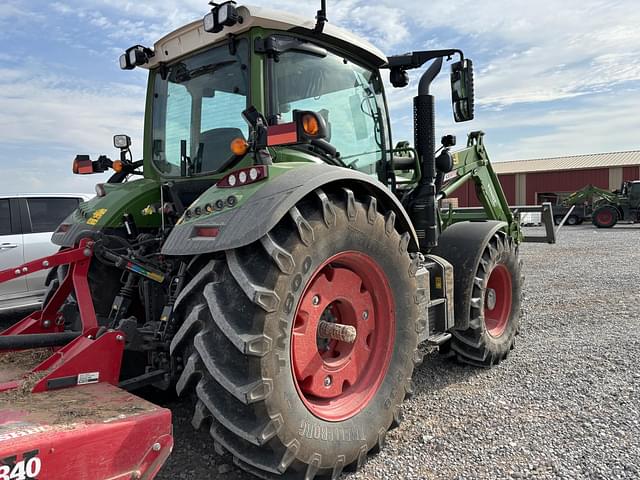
(278, 262)
(612, 207)
(605, 208)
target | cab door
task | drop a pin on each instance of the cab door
(11, 249)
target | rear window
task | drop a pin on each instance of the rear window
(5, 218)
(47, 213)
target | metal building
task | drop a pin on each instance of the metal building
(524, 180)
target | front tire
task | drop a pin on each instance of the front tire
(493, 297)
(605, 217)
(284, 402)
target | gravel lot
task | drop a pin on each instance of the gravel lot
(566, 404)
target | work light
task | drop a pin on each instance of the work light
(135, 56)
(223, 15)
(121, 141)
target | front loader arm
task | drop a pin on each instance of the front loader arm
(472, 163)
(589, 194)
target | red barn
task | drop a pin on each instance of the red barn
(524, 181)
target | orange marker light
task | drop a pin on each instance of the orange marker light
(239, 146)
(117, 166)
(310, 125)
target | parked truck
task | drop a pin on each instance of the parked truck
(267, 259)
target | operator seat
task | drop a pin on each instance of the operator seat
(215, 147)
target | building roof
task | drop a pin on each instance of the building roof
(575, 162)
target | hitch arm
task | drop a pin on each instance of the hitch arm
(47, 320)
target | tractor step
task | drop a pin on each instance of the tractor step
(439, 338)
(90, 432)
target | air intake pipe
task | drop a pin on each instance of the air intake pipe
(424, 208)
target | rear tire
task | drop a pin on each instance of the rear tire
(572, 220)
(605, 217)
(242, 339)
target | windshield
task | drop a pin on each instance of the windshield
(197, 110)
(348, 96)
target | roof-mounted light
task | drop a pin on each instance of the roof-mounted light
(222, 15)
(135, 56)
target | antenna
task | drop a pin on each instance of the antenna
(321, 17)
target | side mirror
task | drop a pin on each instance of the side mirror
(462, 90)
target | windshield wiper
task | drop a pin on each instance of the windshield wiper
(183, 75)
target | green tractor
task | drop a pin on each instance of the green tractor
(619, 205)
(278, 262)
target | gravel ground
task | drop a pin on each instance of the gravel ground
(566, 404)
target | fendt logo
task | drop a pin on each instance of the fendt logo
(26, 469)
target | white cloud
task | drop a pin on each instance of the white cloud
(11, 9)
(46, 119)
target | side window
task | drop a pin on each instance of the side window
(347, 95)
(47, 213)
(5, 218)
(178, 121)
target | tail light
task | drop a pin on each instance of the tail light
(206, 232)
(244, 176)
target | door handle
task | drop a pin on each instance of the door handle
(4, 246)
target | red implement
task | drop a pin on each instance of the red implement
(94, 431)
(91, 432)
(48, 319)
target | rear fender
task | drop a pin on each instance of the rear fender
(262, 211)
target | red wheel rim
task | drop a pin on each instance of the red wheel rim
(497, 304)
(605, 217)
(335, 379)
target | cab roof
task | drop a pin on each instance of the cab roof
(193, 37)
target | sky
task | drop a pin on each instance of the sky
(553, 78)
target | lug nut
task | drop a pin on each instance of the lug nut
(365, 315)
(315, 300)
(327, 381)
(46, 323)
(156, 447)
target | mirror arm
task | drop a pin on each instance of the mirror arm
(417, 59)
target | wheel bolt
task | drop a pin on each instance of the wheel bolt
(327, 381)
(315, 300)
(365, 315)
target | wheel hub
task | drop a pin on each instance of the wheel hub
(498, 298)
(490, 299)
(605, 217)
(342, 336)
